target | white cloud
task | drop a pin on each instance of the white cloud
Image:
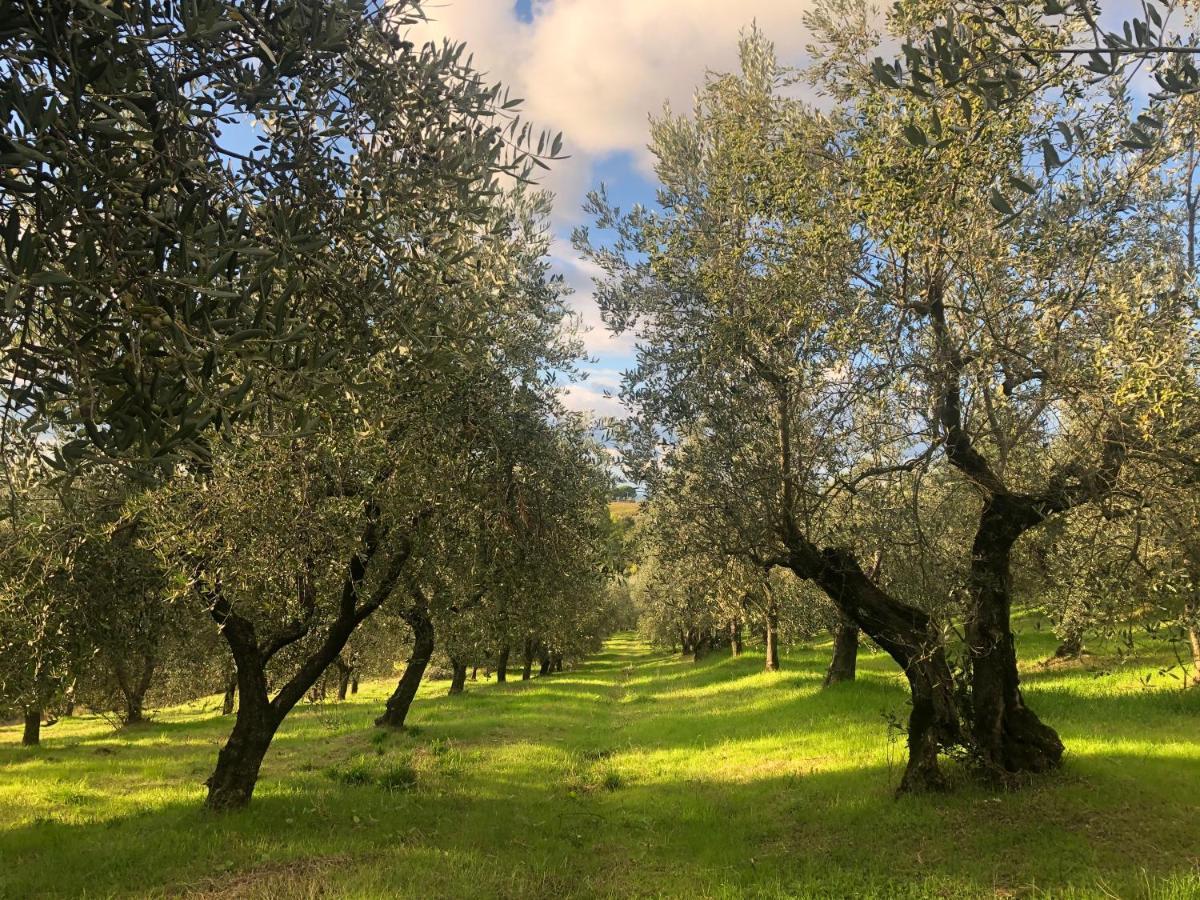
(596, 69)
(585, 397)
(597, 340)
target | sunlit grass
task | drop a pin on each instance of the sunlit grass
(637, 774)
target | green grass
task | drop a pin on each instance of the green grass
(636, 774)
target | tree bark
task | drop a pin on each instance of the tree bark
(845, 654)
(134, 690)
(401, 700)
(544, 662)
(354, 682)
(232, 782)
(527, 671)
(735, 638)
(474, 673)
(502, 664)
(231, 683)
(316, 693)
(905, 633)
(459, 679)
(32, 734)
(556, 662)
(772, 638)
(701, 645)
(344, 670)
(1007, 736)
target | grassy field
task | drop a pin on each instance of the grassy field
(619, 509)
(636, 774)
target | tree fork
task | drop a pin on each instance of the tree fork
(1008, 737)
(232, 782)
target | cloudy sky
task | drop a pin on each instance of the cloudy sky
(595, 70)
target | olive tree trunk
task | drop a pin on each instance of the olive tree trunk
(1008, 737)
(401, 700)
(1194, 640)
(344, 670)
(1071, 646)
(527, 671)
(134, 687)
(31, 736)
(845, 654)
(502, 664)
(232, 782)
(771, 637)
(458, 679)
(905, 633)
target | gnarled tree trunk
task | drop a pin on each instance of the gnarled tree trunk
(232, 782)
(401, 700)
(134, 688)
(502, 664)
(735, 638)
(905, 633)
(845, 654)
(1071, 646)
(1007, 736)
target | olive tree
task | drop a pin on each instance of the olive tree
(754, 337)
(174, 182)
